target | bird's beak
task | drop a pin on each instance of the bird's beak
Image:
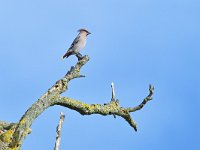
(88, 33)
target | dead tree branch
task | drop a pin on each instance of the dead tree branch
(58, 131)
(13, 137)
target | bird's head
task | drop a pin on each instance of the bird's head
(84, 31)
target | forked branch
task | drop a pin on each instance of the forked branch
(14, 134)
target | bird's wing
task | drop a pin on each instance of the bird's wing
(74, 42)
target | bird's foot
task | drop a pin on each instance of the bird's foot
(79, 56)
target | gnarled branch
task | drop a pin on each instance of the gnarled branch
(16, 133)
(112, 108)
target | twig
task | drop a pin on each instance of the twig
(113, 99)
(148, 98)
(113, 92)
(58, 131)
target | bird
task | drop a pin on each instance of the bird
(78, 44)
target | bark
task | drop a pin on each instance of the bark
(58, 131)
(12, 135)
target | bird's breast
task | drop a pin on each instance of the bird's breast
(81, 45)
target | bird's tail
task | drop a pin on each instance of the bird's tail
(67, 54)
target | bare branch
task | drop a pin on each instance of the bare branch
(148, 98)
(16, 133)
(112, 108)
(113, 92)
(58, 131)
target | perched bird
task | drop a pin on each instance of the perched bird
(78, 43)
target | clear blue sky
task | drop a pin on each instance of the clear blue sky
(133, 43)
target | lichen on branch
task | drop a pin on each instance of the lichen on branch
(12, 135)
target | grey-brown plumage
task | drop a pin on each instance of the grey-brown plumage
(78, 43)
